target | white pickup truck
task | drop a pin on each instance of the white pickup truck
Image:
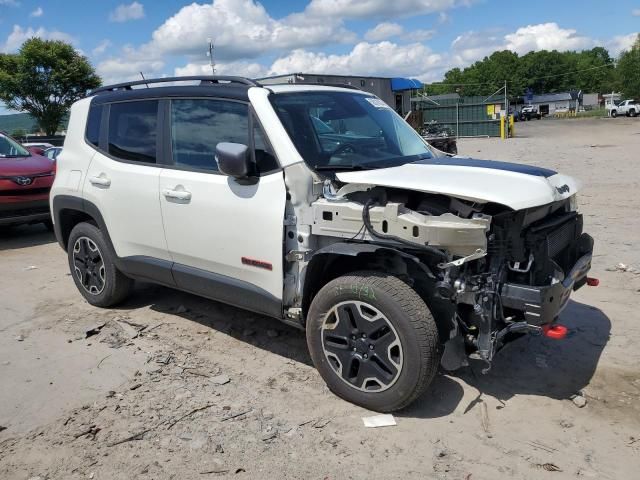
(630, 108)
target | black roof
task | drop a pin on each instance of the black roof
(208, 86)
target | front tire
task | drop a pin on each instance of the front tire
(614, 114)
(93, 269)
(373, 340)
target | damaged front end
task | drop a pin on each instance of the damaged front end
(488, 273)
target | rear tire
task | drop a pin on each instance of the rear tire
(93, 269)
(632, 113)
(373, 340)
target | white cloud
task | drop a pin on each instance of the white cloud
(19, 35)
(475, 45)
(620, 43)
(101, 47)
(9, 3)
(380, 8)
(241, 29)
(472, 46)
(635, 12)
(241, 69)
(114, 70)
(545, 36)
(411, 60)
(420, 35)
(124, 13)
(383, 31)
(37, 12)
(417, 60)
(387, 30)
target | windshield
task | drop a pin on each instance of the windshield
(343, 130)
(10, 148)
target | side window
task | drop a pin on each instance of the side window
(133, 130)
(265, 159)
(198, 125)
(93, 125)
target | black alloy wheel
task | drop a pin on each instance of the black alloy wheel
(88, 265)
(362, 346)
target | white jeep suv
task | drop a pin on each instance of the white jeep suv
(317, 205)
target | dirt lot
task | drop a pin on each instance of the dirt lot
(173, 386)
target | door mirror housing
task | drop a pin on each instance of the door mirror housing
(234, 160)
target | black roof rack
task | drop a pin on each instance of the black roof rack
(323, 84)
(204, 80)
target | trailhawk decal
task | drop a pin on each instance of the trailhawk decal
(252, 262)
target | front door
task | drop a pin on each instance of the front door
(225, 236)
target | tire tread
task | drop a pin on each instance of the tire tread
(421, 319)
(121, 284)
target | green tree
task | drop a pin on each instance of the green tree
(44, 78)
(595, 71)
(543, 71)
(628, 71)
(19, 133)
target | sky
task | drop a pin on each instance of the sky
(413, 38)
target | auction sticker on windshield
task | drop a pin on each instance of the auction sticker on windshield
(376, 102)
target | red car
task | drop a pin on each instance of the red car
(25, 182)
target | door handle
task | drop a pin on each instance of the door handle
(177, 194)
(100, 180)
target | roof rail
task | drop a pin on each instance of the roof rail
(204, 80)
(323, 84)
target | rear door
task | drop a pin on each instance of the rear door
(122, 180)
(225, 236)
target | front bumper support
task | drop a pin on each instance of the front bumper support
(542, 304)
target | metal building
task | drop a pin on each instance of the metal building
(550, 103)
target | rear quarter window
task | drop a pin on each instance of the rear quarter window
(93, 125)
(133, 130)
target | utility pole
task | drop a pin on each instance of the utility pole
(210, 55)
(506, 110)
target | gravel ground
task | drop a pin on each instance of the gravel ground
(173, 386)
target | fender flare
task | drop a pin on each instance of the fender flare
(353, 249)
(69, 202)
(316, 265)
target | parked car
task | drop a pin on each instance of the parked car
(36, 150)
(53, 152)
(530, 111)
(439, 137)
(25, 182)
(323, 208)
(42, 145)
(630, 108)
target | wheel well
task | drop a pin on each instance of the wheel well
(325, 267)
(69, 218)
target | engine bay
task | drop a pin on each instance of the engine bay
(495, 272)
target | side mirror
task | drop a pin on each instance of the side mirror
(234, 160)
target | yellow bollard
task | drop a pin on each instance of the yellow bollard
(512, 130)
(502, 136)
